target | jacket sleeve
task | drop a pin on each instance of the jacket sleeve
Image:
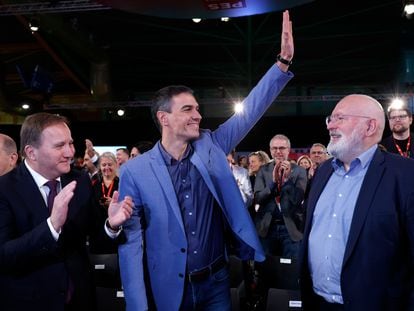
(264, 189)
(131, 252)
(231, 132)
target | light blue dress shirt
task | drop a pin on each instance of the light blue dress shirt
(331, 223)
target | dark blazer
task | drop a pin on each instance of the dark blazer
(377, 269)
(389, 144)
(292, 193)
(34, 268)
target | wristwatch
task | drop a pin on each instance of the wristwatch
(283, 61)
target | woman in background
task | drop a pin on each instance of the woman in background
(307, 164)
(103, 191)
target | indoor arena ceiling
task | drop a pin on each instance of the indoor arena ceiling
(100, 54)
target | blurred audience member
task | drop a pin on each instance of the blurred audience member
(306, 162)
(318, 154)
(103, 192)
(256, 160)
(140, 147)
(92, 170)
(243, 161)
(122, 155)
(78, 163)
(400, 141)
(8, 154)
(242, 178)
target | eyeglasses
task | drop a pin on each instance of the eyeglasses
(341, 117)
(395, 118)
(278, 148)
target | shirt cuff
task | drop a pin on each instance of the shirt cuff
(52, 230)
(94, 158)
(111, 233)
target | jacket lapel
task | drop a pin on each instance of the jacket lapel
(161, 173)
(30, 193)
(198, 163)
(319, 181)
(363, 203)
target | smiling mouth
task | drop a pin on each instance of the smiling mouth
(335, 136)
(194, 125)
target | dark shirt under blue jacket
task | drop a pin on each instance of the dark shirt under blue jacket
(202, 218)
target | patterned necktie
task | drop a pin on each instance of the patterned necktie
(52, 185)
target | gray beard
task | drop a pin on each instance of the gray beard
(345, 148)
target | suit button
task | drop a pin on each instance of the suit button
(181, 275)
(183, 250)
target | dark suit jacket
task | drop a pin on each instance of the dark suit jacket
(292, 193)
(377, 266)
(34, 268)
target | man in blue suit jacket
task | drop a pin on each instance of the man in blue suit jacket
(186, 199)
(359, 233)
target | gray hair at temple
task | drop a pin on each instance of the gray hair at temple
(161, 100)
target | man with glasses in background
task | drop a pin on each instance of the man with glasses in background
(358, 242)
(318, 154)
(400, 142)
(279, 190)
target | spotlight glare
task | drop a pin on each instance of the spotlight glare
(25, 106)
(225, 19)
(409, 9)
(120, 112)
(34, 25)
(196, 20)
(238, 107)
(396, 104)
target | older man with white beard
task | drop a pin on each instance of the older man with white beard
(358, 242)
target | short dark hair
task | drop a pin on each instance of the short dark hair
(161, 100)
(33, 126)
(124, 150)
(143, 146)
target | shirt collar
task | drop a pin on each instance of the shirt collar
(169, 159)
(39, 179)
(364, 159)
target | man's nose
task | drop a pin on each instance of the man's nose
(197, 115)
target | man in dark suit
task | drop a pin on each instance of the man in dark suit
(279, 190)
(43, 258)
(358, 242)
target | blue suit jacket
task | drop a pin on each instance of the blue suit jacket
(147, 180)
(377, 269)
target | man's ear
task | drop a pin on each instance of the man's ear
(13, 158)
(162, 118)
(29, 152)
(372, 127)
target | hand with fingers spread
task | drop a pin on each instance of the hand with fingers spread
(119, 212)
(60, 206)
